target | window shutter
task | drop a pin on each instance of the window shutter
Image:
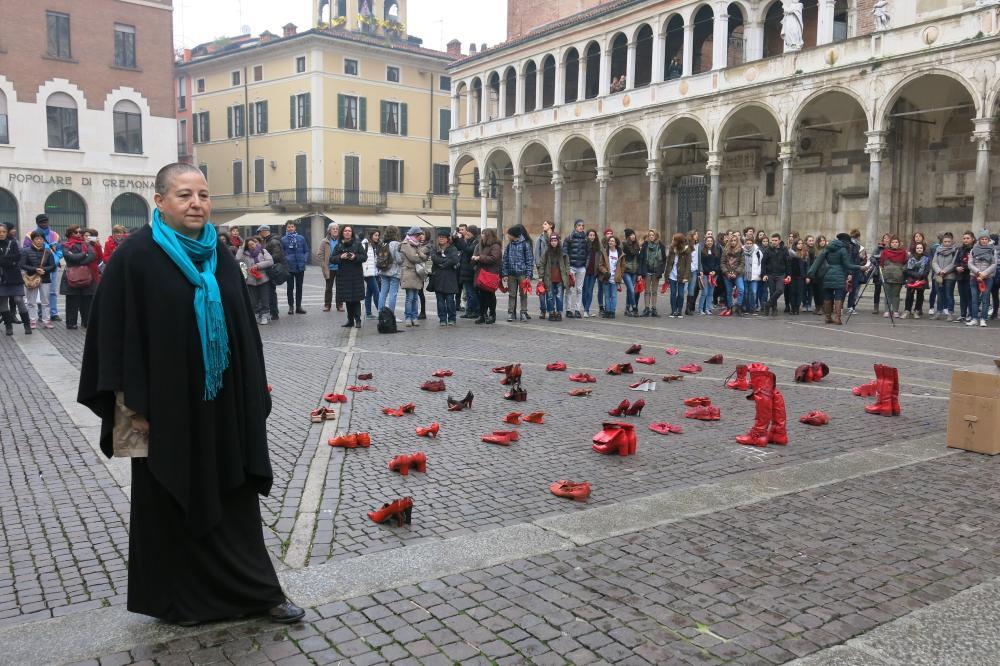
(382, 175)
(402, 119)
(341, 111)
(262, 122)
(384, 115)
(444, 123)
(253, 114)
(291, 122)
(362, 114)
(400, 165)
(196, 135)
(307, 110)
(206, 130)
(229, 122)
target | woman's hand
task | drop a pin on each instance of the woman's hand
(39, 271)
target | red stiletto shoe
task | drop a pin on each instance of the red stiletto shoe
(636, 408)
(580, 392)
(365, 376)
(459, 405)
(571, 490)
(400, 510)
(442, 373)
(672, 378)
(671, 352)
(690, 368)
(408, 408)
(815, 418)
(646, 360)
(392, 411)
(321, 414)
(664, 428)
(558, 366)
(535, 417)
(705, 413)
(634, 349)
(740, 383)
(513, 418)
(428, 431)
(583, 378)
(513, 377)
(433, 385)
(866, 390)
(703, 401)
(334, 398)
(715, 360)
(502, 369)
(418, 461)
(400, 464)
(620, 409)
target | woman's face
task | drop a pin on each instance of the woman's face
(799, 245)
(885, 239)
(251, 245)
(546, 226)
(630, 237)
(651, 236)
(709, 241)
(612, 243)
(984, 241)
(810, 241)
(894, 243)
(3, 232)
(376, 236)
(918, 238)
(694, 236)
(967, 239)
(38, 242)
(947, 241)
(591, 236)
(821, 243)
(347, 234)
(554, 242)
(918, 249)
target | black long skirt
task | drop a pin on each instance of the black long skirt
(176, 577)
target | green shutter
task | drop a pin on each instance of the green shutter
(195, 134)
(253, 114)
(402, 119)
(445, 124)
(207, 135)
(382, 178)
(385, 117)
(307, 110)
(291, 122)
(400, 163)
(341, 111)
(362, 114)
(229, 122)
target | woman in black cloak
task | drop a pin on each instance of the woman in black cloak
(173, 365)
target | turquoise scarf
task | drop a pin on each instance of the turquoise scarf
(208, 310)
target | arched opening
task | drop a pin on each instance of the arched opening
(673, 56)
(683, 153)
(592, 86)
(65, 208)
(510, 100)
(841, 30)
(643, 56)
(493, 99)
(130, 211)
(391, 11)
(530, 86)
(810, 22)
(736, 47)
(578, 166)
(619, 62)
(476, 99)
(535, 164)
(572, 82)
(8, 208)
(4, 127)
(466, 177)
(61, 119)
(462, 92)
(499, 171)
(127, 120)
(751, 174)
(548, 82)
(342, 8)
(774, 44)
(704, 20)
(365, 11)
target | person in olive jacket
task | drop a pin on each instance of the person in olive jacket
(445, 262)
(831, 267)
(350, 258)
(555, 274)
(652, 261)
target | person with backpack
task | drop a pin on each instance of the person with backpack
(518, 264)
(554, 272)
(78, 284)
(652, 264)
(389, 263)
(296, 252)
(467, 243)
(372, 289)
(444, 277)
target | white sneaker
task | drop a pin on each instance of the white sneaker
(885, 315)
(916, 315)
(971, 322)
(906, 315)
(948, 316)
(982, 323)
(931, 313)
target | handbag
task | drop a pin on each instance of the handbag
(34, 280)
(278, 273)
(487, 281)
(79, 277)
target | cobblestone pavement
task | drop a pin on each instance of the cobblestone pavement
(64, 538)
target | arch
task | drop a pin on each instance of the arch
(130, 211)
(476, 99)
(736, 45)
(673, 48)
(391, 12)
(624, 137)
(8, 208)
(126, 106)
(465, 175)
(4, 119)
(890, 99)
(65, 208)
(510, 99)
(831, 119)
(755, 113)
(548, 81)
(577, 150)
(62, 121)
(462, 94)
(127, 127)
(498, 167)
(571, 69)
(796, 117)
(530, 78)
(643, 56)
(534, 160)
(682, 123)
(704, 26)
(493, 96)
(592, 86)
(619, 61)
(773, 42)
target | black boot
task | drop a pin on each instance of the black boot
(690, 306)
(27, 324)
(8, 322)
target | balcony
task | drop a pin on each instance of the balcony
(311, 197)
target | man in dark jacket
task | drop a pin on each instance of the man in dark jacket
(518, 265)
(445, 262)
(466, 243)
(273, 246)
(773, 269)
(297, 255)
(576, 248)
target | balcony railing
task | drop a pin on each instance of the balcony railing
(323, 196)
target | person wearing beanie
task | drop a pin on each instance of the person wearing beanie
(517, 265)
(273, 246)
(52, 243)
(576, 247)
(554, 272)
(541, 244)
(943, 273)
(445, 261)
(415, 255)
(467, 243)
(982, 273)
(630, 254)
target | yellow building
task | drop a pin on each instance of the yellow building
(341, 123)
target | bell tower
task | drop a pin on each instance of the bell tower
(363, 15)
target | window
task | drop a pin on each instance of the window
(238, 177)
(392, 74)
(57, 26)
(124, 46)
(128, 128)
(204, 170)
(235, 77)
(393, 118)
(200, 84)
(182, 133)
(440, 179)
(444, 124)
(235, 122)
(352, 113)
(301, 111)
(4, 129)
(300, 64)
(258, 174)
(201, 127)
(350, 67)
(390, 178)
(60, 115)
(181, 98)
(258, 72)
(258, 117)
(444, 83)
(475, 183)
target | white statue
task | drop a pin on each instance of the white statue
(881, 13)
(791, 25)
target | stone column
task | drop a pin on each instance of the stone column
(824, 26)
(630, 67)
(455, 107)
(982, 136)
(502, 101)
(539, 81)
(519, 93)
(581, 80)
(518, 200)
(559, 97)
(753, 44)
(453, 191)
(659, 56)
(720, 35)
(470, 103)
(875, 148)
(654, 173)
(786, 157)
(688, 64)
(714, 169)
(605, 84)
(557, 183)
(484, 194)
(603, 178)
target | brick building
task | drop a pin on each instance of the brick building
(86, 110)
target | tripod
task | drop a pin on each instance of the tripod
(892, 316)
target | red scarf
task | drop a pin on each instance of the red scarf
(893, 256)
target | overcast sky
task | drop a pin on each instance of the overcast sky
(435, 21)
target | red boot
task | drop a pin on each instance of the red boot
(740, 383)
(620, 409)
(778, 434)
(893, 374)
(428, 431)
(884, 392)
(612, 439)
(763, 395)
(400, 464)
(418, 461)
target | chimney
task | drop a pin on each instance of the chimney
(482, 49)
(187, 55)
(472, 49)
(290, 30)
(266, 36)
(454, 48)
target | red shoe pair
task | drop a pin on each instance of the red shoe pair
(583, 378)
(887, 392)
(813, 372)
(403, 463)
(703, 413)
(620, 369)
(408, 408)
(690, 368)
(558, 366)
(351, 441)
(334, 398)
(442, 373)
(769, 426)
(580, 392)
(703, 401)
(571, 490)
(665, 428)
(615, 437)
(646, 360)
(815, 418)
(359, 389)
(321, 414)
(428, 431)
(401, 510)
(433, 385)
(502, 437)
(624, 409)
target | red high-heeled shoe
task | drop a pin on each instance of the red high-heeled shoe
(517, 394)
(433, 385)
(634, 349)
(583, 378)
(513, 377)
(646, 360)
(401, 510)
(815, 418)
(703, 413)
(418, 461)
(715, 360)
(365, 376)
(580, 392)
(400, 464)
(671, 351)
(690, 368)
(665, 428)
(571, 489)
(501, 437)
(615, 437)
(697, 402)
(334, 398)
(513, 418)
(408, 408)
(392, 411)
(428, 431)
(620, 409)
(535, 417)
(459, 405)
(502, 369)
(359, 389)
(636, 408)
(442, 373)
(558, 366)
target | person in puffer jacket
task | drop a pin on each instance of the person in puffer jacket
(518, 264)
(577, 248)
(982, 272)
(918, 268)
(297, 255)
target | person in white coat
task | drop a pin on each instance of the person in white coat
(371, 273)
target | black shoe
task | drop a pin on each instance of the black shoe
(422, 315)
(510, 317)
(187, 623)
(286, 613)
(491, 319)
(70, 328)
(349, 324)
(299, 311)
(646, 313)
(357, 324)
(481, 320)
(56, 317)
(653, 312)
(291, 310)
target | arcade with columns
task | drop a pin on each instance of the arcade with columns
(721, 123)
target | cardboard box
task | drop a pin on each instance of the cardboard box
(974, 409)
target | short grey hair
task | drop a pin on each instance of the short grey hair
(165, 177)
(331, 226)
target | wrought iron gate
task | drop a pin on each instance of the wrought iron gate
(692, 204)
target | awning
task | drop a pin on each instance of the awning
(255, 220)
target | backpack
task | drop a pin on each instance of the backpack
(387, 321)
(383, 258)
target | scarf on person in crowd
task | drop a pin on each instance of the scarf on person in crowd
(653, 254)
(748, 262)
(980, 253)
(946, 253)
(209, 314)
(915, 262)
(412, 240)
(888, 255)
(255, 253)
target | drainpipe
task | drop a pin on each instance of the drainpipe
(430, 142)
(246, 133)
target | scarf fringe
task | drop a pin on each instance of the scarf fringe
(216, 352)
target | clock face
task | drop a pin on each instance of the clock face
(806, 143)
